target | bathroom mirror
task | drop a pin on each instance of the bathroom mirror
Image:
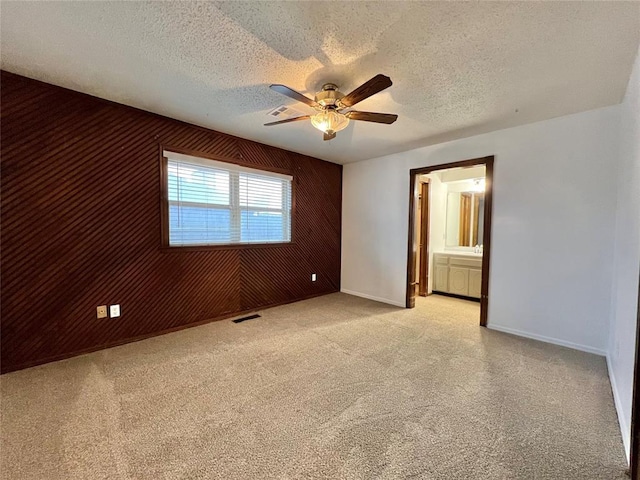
(465, 219)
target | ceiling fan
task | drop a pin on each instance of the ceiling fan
(334, 107)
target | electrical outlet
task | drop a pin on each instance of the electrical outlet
(114, 311)
(313, 277)
(101, 311)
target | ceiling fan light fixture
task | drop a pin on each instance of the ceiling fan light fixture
(329, 121)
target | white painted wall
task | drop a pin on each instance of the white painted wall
(467, 173)
(452, 230)
(553, 225)
(627, 257)
(463, 186)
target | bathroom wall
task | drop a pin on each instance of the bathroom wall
(452, 229)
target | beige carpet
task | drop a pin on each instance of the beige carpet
(336, 387)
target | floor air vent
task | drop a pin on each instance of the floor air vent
(250, 317)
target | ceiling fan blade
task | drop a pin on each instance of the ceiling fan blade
(294, 119)
(387, 118)
(288, 92)
(329, 136)
(373, 86)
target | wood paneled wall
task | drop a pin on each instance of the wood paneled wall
(80, 227)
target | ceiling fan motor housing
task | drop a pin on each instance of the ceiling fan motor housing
(329, 95)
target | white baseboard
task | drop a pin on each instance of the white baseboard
(542, 338)
(625, 430)
(371, 297)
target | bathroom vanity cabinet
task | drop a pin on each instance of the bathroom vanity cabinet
(458, 274)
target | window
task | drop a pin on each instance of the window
(218, 203)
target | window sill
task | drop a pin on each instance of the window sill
(231, 246)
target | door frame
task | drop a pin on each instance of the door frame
(423, 240)
(488, 209)
(634, 454)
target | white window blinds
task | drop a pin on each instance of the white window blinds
(217, 203)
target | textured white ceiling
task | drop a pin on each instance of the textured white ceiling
(458, 68)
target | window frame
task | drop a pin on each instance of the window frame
(164, 201)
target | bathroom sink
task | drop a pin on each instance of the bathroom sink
(463, 253)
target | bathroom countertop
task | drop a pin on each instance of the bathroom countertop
(460, 252)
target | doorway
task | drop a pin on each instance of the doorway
(476, 230)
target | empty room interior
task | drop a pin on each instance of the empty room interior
(319, 240)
